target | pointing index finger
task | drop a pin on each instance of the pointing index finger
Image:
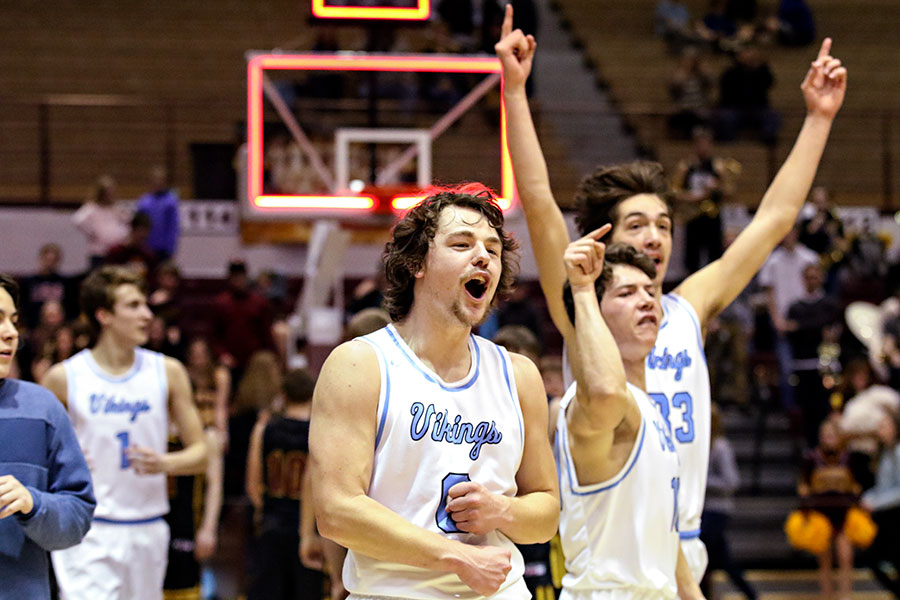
(507, 27)
(825, 50)
(599, 232)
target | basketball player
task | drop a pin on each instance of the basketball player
(428, 444)
(46, 499)
(119, 398)
(635, 199)
(276, 476)
(618, 466)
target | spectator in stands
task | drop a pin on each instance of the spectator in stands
(241, 321)
(165, 300)
(135, 253)
(165, 338)
(781, 278)
(367, 294)
(822, 231)
(672, 21)
(41, 340)
(102, 222)
(211, 383)
(741, 11)
(720, 27)
(866, 403)
(519, 339)
(883, 500)
(744, 98)
(552, 374)
(827, 486)
(702, 181)
(161, 205)
(722, 482)
(690, 89)
(811, 320)
(794, 24)
(517, 309)
(55, 350)
(458, 15)
(47, 284)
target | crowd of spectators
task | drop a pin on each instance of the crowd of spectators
(735, 28)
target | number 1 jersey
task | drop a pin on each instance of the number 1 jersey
(112, 412)
(431, 435)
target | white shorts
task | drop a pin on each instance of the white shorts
(695, 554)
(115, 561)
(623, 593)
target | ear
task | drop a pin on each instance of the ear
(103, 316)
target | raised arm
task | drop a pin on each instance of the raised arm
(602, 398)
(713, 288)
(342, 444)
(546, 225)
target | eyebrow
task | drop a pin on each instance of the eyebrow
(643, 214)
(468, 234)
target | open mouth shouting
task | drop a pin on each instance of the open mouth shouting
(477, 286)
(648, 319)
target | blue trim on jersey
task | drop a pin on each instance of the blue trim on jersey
(689, 535)
(134, 522)
(515, 401)
(570, 468)
(387, 398)
(99, 372)
(690, 311)
(557, 457)
(434, 379)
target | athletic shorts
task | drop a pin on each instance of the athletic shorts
(115, 561)
(695, 554)
(623, 593)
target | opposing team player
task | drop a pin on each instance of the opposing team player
(619, 471)
(119, 398)
(635, 199)
(428, 444)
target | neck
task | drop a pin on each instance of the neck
(634, 373)
(442, 346)
(111, 355)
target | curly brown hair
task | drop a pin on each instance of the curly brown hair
(599, 194)
(405, 254)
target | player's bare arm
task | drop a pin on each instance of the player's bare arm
(191, 460)
(546, 224)
(253, 481)
(55, 381)
(207, 532)
(688, 588)
(342, 441)
(532, 516)
(713, 288)
(603, 407)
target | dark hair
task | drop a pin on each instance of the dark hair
(141, 219)
(298, 386)
(599, 194)
(365, 322)
(616, 254)
(405, 254)
(98, 290)
(520, 339)
(11, 286)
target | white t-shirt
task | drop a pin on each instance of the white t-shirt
(783, 272)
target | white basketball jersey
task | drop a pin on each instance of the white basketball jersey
(110, 413)
(678, 381)
(621, 534)
(431, 435)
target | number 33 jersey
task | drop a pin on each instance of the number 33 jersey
(678, 381)
(430, 436)
(112, 412)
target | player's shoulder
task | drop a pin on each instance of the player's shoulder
(677, 312)
(352, 357)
